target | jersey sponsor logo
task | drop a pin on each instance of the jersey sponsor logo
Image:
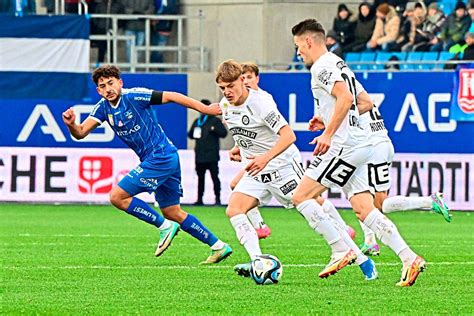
(243, 132)
(377, 126)
(129, 132)
(340, 173)
(245, 120)
(95, 174)
(150, 183)
(129, 115)
(272, 118)
(315, 163)
(324, 76)
(141, 98)
(288, 187)
(269, 177)
(379, 174)
(341, 65)
(244, 143)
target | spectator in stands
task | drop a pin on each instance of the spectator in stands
(343, 25)
(136, 27)
(425, 36)
(332, 44)
(162, 28)
(470, 11)
(386, 29)
(405, 27)
(207, 130)
(363, 29)
(416, 23)
(398, 5)
(457, 25)
(102, 26)
(468, 53)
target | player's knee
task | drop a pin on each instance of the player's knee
(232, 211)
(298, 198)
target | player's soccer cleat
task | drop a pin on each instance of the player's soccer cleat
(438, 206)
(243, 270)
(218, 255)
(337, 263)
(166, 236)
(369, 270)
(370, 250)
(351, 232)
(263, 232)
(411, 272)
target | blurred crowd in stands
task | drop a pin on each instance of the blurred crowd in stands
(403, 26)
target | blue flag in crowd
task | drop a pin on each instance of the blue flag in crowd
(44, 57)
(462, 105)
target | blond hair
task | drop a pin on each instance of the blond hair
(228, 71)
(250, 67)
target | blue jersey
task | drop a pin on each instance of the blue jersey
(132, 120)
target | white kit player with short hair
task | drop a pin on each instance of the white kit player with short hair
(265, 144)
(343, 151)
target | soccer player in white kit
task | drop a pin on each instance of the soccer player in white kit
(273, 163)
(343, 150)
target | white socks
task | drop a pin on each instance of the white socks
(369, 235)
(246, 234)
(219, 244)
(387, 232)
(255, 218)
(361, 258)
(331, 210)
(320, 222)
(166, 224)
(406, 203)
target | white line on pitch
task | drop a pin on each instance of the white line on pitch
(312, 265)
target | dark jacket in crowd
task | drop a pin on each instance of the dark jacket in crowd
(169, 7)
(468, 53)
(100, 26)
(364, 28)
(454, 29)
(137, 7)
(344, 28)
(207, 147)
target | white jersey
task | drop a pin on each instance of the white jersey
(325, 72)
(374, 124)
(254, 126)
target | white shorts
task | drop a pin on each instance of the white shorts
(279, 183)
(344, 168)
(379, 166)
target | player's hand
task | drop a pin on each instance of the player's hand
(213, 109)
(257, 164)
(316, 124)
(323, 142)
(234, 154)
(69, 117)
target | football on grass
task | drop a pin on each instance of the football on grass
(266, 269)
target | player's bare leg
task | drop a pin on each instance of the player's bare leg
(319, 221)
(254, 215)
(387, 232)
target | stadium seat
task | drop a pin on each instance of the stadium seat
(428, 56)
(443, 56)
(351, 59)
(383, 58)
(366, 57)
(412, 57)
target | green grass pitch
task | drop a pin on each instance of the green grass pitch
(77, 259)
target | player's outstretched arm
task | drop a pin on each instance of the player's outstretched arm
(191, 103)
(79, 131)
(287, 138)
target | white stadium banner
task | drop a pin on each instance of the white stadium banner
(75, 175)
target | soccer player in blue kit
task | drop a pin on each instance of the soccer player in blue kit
(129, 114)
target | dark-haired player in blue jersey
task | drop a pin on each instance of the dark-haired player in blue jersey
(128, 113)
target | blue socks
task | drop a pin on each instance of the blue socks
(144, 212)
(195, 228)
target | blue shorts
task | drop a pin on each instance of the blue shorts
(162, 176)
